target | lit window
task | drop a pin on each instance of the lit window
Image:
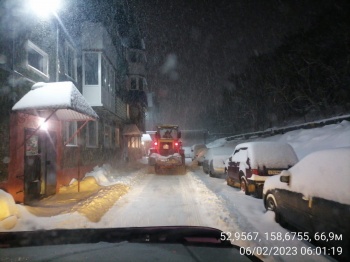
(37, 59)
(92, 134)
(134, 142)
(70, 129)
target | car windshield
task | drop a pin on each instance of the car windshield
(110, 109)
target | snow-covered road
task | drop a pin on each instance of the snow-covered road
(199, 200)
(194, 199)
(163, 200)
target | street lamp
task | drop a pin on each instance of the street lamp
(44, 8)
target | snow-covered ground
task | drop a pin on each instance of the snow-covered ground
(134, 197)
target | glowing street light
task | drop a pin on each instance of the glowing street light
(44, 8)
(43, 125)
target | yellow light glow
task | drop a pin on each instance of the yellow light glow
(43, 125)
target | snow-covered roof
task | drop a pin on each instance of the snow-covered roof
(131, 130)
(64, 97)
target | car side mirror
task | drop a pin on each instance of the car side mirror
(285, 177)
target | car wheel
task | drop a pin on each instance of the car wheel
(211, 169)
(244, 186)
(270, 203)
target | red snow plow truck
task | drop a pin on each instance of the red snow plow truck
(166, 151)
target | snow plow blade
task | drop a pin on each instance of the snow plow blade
(170, 163)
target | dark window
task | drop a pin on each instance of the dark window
(133, 84)
(141, 83)
(133, 57)
(92, 134)
(36, 58)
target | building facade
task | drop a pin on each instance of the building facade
(35, 162)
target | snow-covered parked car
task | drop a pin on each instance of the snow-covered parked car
(214, 158)
(253, 162)
(197, 152)
(187, 151)
(313, 196)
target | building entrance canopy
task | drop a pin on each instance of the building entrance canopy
(60, 100)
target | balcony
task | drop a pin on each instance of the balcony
(136, 69)
(99, 63)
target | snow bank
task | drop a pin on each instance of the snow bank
(8, 211)
(101, 174)
(332, 165)
(306, 141)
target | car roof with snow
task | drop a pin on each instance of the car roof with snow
(269, 154)
(219, 151)
(332, 165)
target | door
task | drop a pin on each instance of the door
(294, 207)
(32, 166)
(39, 164)
(239, 156)
(48, 163)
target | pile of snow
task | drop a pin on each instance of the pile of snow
(8, 211)
(158, 156)
(332, 165)
(306, 141)
(99, 188)
(101, 174)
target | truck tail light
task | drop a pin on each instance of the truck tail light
(155, 143)
(176, 144)
(255, 172)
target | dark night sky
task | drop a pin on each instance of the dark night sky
(193, 46)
